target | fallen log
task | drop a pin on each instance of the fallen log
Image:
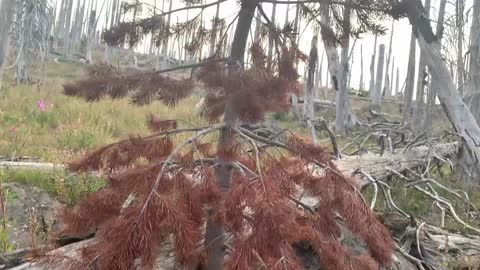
(380, 167)
(30, 165)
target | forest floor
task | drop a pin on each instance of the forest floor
(64, 127)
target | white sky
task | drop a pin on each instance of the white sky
(400, 45)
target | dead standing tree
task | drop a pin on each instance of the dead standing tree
(247, 197)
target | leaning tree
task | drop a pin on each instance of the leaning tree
(224, 197)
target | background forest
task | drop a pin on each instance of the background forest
(239, 134)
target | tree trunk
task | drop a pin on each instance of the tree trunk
(392, 75)
(361, 86)
(457, 112)
(387, 89)
(308, 112)
(473, 82)
(377, 94)
(432, 93)
(67, 37)
(213, 41)
(344, 116)
(271, 40)
(419, 107)
(397, 82)
(165, 41)
(407, 102)
(60, 29)
(371, 89)
(460, 9)
(24, 10)
(91, 35)
(318, 80)
(215, 233)
(7, 8)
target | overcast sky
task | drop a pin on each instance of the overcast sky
(401, 38)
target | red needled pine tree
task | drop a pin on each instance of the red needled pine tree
(236, 204)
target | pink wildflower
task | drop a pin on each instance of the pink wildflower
(13, 129)
(41, 105)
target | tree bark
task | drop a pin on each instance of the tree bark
(473, 82)
(407, 102)
(377, 94)
(7, 8)
(308, 112)
(344, 117)
(165, 41)
(371, 89)
(432, 91)
(362, 85)
(67, 36)
(271, 40)
(418, 109)
(456, 110)
(459, 10)
(213, 41)
(397, 82)
(387, 89)
(215, 233)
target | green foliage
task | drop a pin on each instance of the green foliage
(77, 140)
(62, 185)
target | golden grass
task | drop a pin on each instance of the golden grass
(71, 125)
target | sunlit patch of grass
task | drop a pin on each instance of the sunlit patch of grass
(64, 186)
(71, 125)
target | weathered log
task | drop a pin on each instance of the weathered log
(380, 167)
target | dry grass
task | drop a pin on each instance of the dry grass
(70, 125)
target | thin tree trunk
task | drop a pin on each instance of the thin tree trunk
(361, 85)
(271, 40)
(473, 82)
(432, 93)
(344, 117)
(213, 41)
(308, 112)
(67, 37)
(215, 232)
(318, 79)
(408, 95)
(377, 94)
(397, 82)
(418, 110)
(460, 9)
(7, 8)
(165, 41)
(60, 29)
(392, 75)
(387, 89)
(372, 69)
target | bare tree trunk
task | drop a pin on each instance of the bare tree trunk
(473, 82)
(91, 35)
(213, 41)
(271, 40)
(60, 29)
(432, 93)
(397, 82)
(308, 112)
(460, 9)
(377, 94)
(372, 68)
(344, 117)
(7, 8)
(418, 109)
(318, 79)
(215, 233)
(408, 95)
(387, 89)
(362, 84)
(392, 73)
(67, 37)
(22, 73)
(165, 41)
(457, 112)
